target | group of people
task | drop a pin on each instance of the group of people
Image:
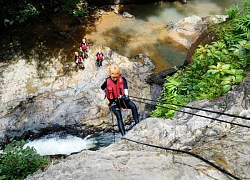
(84, 48)
(115, 88)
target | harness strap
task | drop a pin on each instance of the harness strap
(123, 104)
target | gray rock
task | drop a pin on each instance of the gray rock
(127, 15)
(114, 9)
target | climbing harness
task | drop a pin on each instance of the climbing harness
(122, 109)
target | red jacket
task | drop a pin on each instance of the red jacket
(78, 59)
(84, 46)
(113, 91)
(99, 56)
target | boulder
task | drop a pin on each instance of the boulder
(188, 30)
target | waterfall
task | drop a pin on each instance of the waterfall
(61, 144)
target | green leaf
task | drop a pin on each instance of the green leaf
(225, 66)
(239, 78)
(227, 79)
(226, 88)
(213, 71)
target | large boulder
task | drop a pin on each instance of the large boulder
(186, 31)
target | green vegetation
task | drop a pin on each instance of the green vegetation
(16, 162)
(217, 67)
(74, 7)
(20, 11)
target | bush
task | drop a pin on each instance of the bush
(16, 162)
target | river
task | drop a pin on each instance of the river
(146, 32)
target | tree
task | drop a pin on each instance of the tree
(13, 12)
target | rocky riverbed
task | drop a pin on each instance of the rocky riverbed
(46, 93)
(38, 98)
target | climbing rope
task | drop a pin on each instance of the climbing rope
(189, 153)
(195, 108)
(237, 124)
(122, 109)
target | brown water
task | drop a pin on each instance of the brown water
(146, 33)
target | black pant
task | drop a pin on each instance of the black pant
(99, 63)
(115, 107)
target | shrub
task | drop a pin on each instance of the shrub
(16, 162)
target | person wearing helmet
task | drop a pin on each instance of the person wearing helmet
(99, 58)
(79, 60)
(84, 47)
(116, 90)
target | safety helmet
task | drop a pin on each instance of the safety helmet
(114, 70)
(76, 53)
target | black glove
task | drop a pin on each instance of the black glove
(124, 97)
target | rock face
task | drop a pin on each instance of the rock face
(34, 101)
(225, 145)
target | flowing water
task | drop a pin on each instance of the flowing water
(63, 144)
(66, 144)
(143, 34)
(146, 33)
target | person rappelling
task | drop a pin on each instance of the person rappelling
(116, 91)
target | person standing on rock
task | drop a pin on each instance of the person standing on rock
(84, 48)
(79, 61)
(116, 91)
(99, 58)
